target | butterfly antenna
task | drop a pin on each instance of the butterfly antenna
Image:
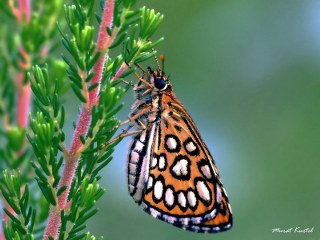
(162, 62)
(155, 58)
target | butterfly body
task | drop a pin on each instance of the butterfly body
(170, 170)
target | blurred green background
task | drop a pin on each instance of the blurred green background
(248, 73)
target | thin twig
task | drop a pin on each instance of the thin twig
(122, 68)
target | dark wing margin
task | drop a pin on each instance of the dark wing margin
(223, 221)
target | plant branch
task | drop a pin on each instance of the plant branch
(23, 90)
(102, 46)
(25, 10)
(121, 70)
(24, 99)
(83, 124)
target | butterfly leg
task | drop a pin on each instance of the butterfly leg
(141, 78)
(144, 127)
(134, 117)
(138, 65)
(147, 91)
(127, 83)
(141, 68)
(125, 133)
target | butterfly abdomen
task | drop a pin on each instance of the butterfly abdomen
(150, 102)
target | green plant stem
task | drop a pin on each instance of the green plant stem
(83, 124)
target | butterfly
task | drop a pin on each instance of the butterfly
(171, 172)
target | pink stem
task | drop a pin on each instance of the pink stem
(120, 71)
(83, 124)
(6, 219)
(25, 9)
(23, 104)
(24, 92)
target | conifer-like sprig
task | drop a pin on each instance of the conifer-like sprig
(26, 39)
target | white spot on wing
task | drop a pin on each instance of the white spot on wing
(131, 188)
(197, 220)
(205, 229)
(150, 182)
(143, 136)
(158, 190)
(184, 221)
(171, 143)
(139, 146)
(181, 167)
(182, 200)
(203, 191)
(154, 213)
(195, 228)
(169, 197)
(134, 157)
(191, 147)
(219, 196)
(132, 168)
(216, 229)
(228, 226)
(162, 162)
(169, 219)
(192, 199)
(205, 169)
(154, 162)
(132, 178)
(138, 194)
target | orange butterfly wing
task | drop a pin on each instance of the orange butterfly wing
(183, 185)
(221, 222)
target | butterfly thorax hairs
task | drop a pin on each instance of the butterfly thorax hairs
(148, 94)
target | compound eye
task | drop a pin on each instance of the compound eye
(160, 83)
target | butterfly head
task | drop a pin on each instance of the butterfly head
(159, 80)
(154, 82)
